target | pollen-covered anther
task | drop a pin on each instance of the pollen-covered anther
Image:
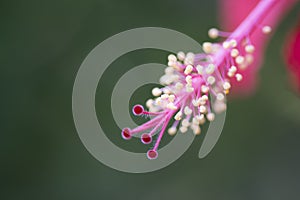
(189, 88)
(226, 85)
(171, 106)
(204, 97)
(239, 60)
(166, 90)
(188, 69)
(204, 89)
(172, 64)
(230, 74)
(164, 96)
(189, 58)
(226, 45)
(266, 29)
(196, 129)
(234, 53)
(200, 118)
(200, 69)
(232, 69)
(239, 77)
(169, 70)
(211, 80)
(149, 103)
(166, 79)
(219, 106)
(171, 98)
(181, 56)
(188, 79)
(154, 108)
(172, 58)
(190, 55)
(213, 33)
(158, 101)
(195, 121)
(183, 129)
(185, 123)
(187, 110)
(178, 86)
(178, 116)
(220, 96)
(243, 66)
(156, 92)
(172, 130)
(210, 117)
(210, 68)
(249, 48)
(215, 47)
(203, 100)
(175, 64)
(175, 77)
(207, 47)
(202, 109)
(196, 102)
(249, 59)
(233, 43)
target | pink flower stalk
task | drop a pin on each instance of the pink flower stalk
(196, 85)
(231, 19)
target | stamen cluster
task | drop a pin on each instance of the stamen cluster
(194, 88)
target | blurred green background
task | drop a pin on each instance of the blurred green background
(42, 45)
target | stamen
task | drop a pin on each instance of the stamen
(196, 85)
(213, 33)
(249, 48)
(181, 56)
(266, 29)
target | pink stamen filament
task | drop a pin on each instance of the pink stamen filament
(162, 131)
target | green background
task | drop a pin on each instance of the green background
(42, 45)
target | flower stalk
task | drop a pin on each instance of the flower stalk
(249, 24)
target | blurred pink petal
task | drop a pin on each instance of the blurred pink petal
(232, 13)
(292, 55)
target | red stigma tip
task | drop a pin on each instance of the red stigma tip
(126, 133)
(146, 138)
(138, 109)
(152, 154)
